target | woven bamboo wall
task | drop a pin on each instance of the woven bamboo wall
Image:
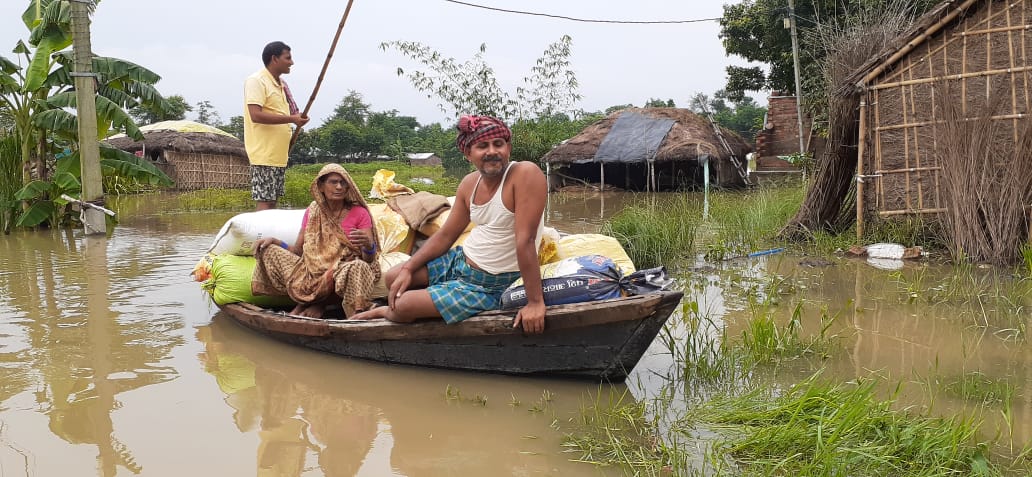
(202, 171)
(988, 45)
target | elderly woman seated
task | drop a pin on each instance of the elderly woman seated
(333, 259)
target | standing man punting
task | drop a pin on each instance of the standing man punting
(269, 110)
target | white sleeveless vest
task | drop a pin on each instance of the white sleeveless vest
(492, 243)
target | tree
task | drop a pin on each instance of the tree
(351, 109)
(206, 114)
(176, 109)
(235, 126)
(470, 87)
(755, 31)
(744, 117)
(659, 103)
(40, 98)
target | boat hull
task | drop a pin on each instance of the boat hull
(599, 340)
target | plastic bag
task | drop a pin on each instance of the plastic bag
(572, 280)
(385, 187)
(588, 244)
(230, 282)
(238, 235)
(587, 278)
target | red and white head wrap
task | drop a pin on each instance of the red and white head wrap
(473, 129)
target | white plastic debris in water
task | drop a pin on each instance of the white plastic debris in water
(421, 180)
(886, 250)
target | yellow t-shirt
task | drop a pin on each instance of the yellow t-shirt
(266, 144)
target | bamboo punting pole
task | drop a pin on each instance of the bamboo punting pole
(322, 73)
(915, 42)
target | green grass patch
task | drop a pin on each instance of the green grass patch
(656, 234)
(744, 222)
(298, 180)
(820, 429)
(618, 432)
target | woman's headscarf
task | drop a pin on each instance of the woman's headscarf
(474, 128)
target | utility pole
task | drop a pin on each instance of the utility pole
(795, 59)
(86, 106)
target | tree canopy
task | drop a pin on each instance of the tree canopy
(755, 30)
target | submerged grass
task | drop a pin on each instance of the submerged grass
(619, 432)
(654, 235)
(820, 429)
(743, 223)
(978, 387)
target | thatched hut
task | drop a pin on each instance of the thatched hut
(193, 155)
(650, 149)
(965, 61)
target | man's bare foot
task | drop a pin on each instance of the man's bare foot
(379, 312)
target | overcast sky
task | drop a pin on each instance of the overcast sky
(204, 49)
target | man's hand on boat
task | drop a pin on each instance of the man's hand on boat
(532, 317)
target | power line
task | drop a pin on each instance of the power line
(585, 20)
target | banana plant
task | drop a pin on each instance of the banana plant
(37, 92)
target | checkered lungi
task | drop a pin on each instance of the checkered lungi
(460, 291)
(267, 183)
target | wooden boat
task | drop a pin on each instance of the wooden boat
(601, 340)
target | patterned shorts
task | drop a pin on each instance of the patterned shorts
(460, 291)
(267, 183)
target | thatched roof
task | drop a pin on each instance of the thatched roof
(923, 28)
(691, 136)
(158, 138)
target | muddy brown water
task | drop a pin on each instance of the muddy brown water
(113, 362)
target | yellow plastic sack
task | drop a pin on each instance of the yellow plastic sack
(591, 244)
(391, 228)
(384, 186)
(548, 251)
(387, 260)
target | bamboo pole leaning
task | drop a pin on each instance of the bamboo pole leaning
(322, 73)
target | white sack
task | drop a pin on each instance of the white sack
(238, 235)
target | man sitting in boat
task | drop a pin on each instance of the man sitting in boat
(507, 202)
(333, 259)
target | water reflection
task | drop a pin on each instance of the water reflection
(67, 345)
(351, 418)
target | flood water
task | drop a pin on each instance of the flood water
(113, 362)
